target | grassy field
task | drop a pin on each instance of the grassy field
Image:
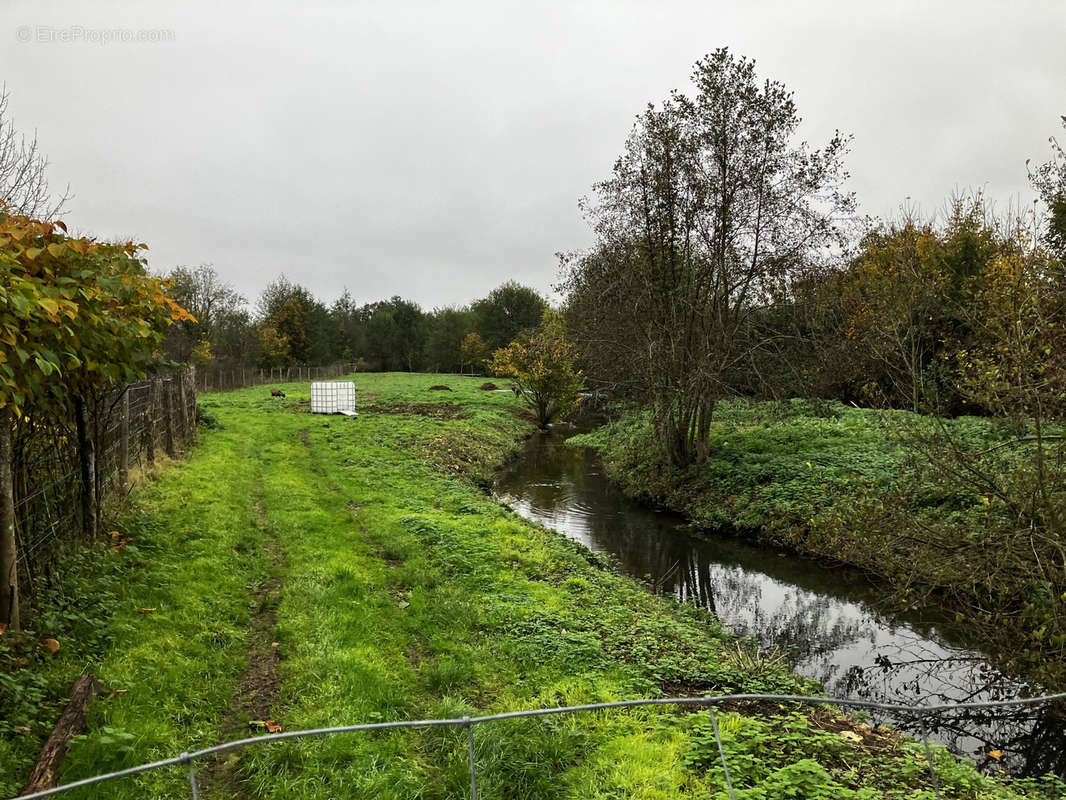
(310, 571)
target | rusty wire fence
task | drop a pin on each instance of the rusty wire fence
(189, 760)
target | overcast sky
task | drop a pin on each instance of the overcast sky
(435, 150)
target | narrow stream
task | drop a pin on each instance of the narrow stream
(830, 622)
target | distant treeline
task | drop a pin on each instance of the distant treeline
(289, 326)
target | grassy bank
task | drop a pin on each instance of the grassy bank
(312, 571)
(878, 490)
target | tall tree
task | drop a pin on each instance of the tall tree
(444, 338)
(298, 315)
(291, 323)
(410, 333)
(474, 353)
(709, 214)
(214, 304)
(902, 298)
(381, 336)
(508, 310)
(349, 327)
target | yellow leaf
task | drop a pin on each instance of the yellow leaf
(996, 754)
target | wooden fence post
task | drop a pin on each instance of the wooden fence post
(190, 403)
(149, 423)
(124, 442)
(9, 579)
(168, 418)
(183, 412)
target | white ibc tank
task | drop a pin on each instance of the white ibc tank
(333, 397)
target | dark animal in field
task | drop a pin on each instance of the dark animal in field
(277, 393)
(440, 388)
(489, 386)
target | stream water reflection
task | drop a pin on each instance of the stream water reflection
(830, 621)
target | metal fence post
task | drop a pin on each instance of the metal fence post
(929, 757)
(470, 756)
(192, 776)
(721, 753)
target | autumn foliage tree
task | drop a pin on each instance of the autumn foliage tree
(543, 366)
(77, 316)
(273, 346)
(475, 352)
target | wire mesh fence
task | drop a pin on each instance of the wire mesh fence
(225, 378)
(189, 760)
(52, 466)
(128, 428)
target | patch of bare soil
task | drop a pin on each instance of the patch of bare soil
(440, 387)
(434, 410)
(523, 414)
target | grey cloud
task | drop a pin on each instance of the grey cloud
(435, 150)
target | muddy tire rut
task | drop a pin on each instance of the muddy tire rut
(257, 688)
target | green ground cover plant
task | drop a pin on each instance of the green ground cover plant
(930, 507)
(389, 585)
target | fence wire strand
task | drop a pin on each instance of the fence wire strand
(467, 722)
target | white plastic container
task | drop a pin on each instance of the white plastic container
(333, 397)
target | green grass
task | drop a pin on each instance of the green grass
(408, 593)
(880, 490)
(774, 465)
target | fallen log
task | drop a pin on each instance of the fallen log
(45, 773)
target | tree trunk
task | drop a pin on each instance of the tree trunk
(9, 583)
(87, 459)
(45, 773)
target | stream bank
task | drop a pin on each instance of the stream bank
(830, 623)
